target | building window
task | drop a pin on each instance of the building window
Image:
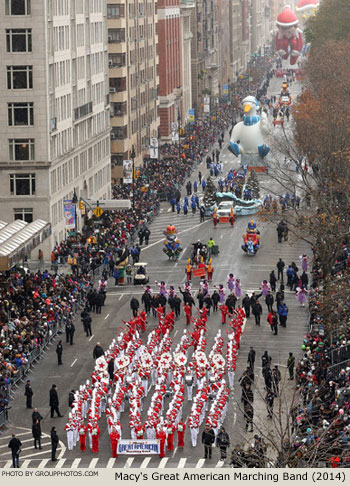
(22, 184)
(19, 77)
(21, 149)
(17, 7)
(20, 114)
(25, 214)
(116, 35)
(117, 60)
(19, 40)
(115, 11)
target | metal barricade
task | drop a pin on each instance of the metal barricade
(2, 417)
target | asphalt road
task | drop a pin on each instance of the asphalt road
(78, 361)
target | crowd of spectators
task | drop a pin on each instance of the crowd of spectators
(31, 305)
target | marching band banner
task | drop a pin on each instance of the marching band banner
(138, 447)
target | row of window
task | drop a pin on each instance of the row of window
(17, 7)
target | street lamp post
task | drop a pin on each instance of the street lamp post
(179, 129)
(132, 155)
(74, 201)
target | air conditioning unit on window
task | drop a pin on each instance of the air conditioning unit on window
(112, 90)
(110, 63)
(113, 136)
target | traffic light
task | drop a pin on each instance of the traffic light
(81, 206)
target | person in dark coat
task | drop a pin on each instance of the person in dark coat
(246, 305)
(134, 305)
(223, 442)
(70, 330)
(71, 398)
(280, 268)
(87, 324)
(208, 439)
(215, 299)
(36, 416)
(251, 358)
(98, 351)
(100, 298)
(257, 311)
(273, 281)
(269, 399)
(177, 305)
(15, 446)
(54, 402)
(110, 369)
(28, 392)
(54, 443)
(147, 234)
(59, 352)
(36, 431)
(147, 301)
(231, 303)
(269, 300)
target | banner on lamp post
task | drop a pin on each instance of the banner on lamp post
(69, 213)
(127, 171)
(153, 148)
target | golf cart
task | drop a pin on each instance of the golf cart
(140, 273)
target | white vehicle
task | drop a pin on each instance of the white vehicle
(224, 208)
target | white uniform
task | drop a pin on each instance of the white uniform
(231, 378)
(194, 435)
(70, 438)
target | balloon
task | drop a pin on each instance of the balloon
(289, 40)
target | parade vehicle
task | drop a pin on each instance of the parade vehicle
(172, 246)
(251, 239)
(224, 209)
(240, 206)
(140, 273)
(285, 98)
(200, 253)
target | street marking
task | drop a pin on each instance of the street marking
(128, 463)
(163, 462)
(76, 359)
(169, 210)
(43, 463)
(93, 463)
(107, 316)
(179, 233)
(182, 462)
(174, 336)
(220, 463)
(91, 338)
(23, 441)
(121, 296)
(76, 462)
(200, 463)
(10, 436)
(145, 462)
(174, 452)
(176, 264)
(60, 463)
(234, 418)
(8, 463)
(25, 464)
(221, 237)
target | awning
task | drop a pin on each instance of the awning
(19, 244)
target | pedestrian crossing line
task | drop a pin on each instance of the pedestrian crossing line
(60, 463)
(129, 461)
(8, 463)
(33, 456)
(93, 463)
(220, 463)
(25, 464)
(110, 463)
(76, 463)
(182, 462)
(200, 463)
(145, 462)
(43, 463)
(163, 462)
(22, 433)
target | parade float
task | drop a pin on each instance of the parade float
(248, 136)
(171, 244)
(285, 98)
(251, 239)
(213, 199)
(289, 39)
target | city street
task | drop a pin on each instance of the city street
(78, 361)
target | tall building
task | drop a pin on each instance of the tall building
(261, 25)
(186, 7)
(133, 78)
(170, 64)
(54, 114)
(204, 52)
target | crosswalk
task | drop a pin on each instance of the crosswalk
(121, 462)
(28, 454)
